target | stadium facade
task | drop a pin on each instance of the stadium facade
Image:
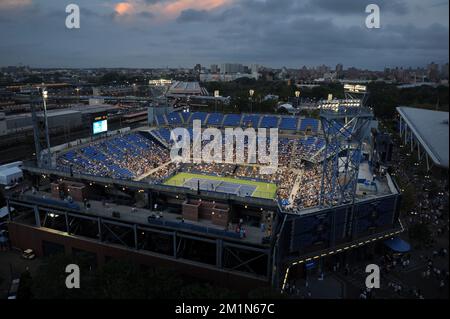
(118, 195)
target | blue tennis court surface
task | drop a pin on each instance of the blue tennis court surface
(220, 186)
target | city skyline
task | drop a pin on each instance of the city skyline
(182, 33)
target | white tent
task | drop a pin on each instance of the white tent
(9, 175)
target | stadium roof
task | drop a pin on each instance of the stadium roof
(431, 130)
(190, 88)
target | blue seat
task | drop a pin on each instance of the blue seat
(185, 116)
(309, 124)
(251, 120)
(232, 120)
(161, 120)
(269, 121)
(289, 123)
(215, 119)
(198, 116)
(174, 118)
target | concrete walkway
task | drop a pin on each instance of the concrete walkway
(139, 178)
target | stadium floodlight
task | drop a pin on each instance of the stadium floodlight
(297, 95)
(216, 95)
(47, 136)
(251, 93)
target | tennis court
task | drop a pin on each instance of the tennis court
(227, 185)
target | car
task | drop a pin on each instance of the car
(28, 254)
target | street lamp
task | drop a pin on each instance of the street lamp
(47, 136)
(216, 95)
(251, 93)
(297, 95)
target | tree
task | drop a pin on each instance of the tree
(384, 98)
(420, 232)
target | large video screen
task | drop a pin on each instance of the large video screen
(100, 126)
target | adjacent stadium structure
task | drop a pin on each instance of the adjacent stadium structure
(118, 195)
(426, 131)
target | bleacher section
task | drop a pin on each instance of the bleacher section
(309, 124)
(215, 119)
(174, 118)
(308, 147)
(110, 158)
(269, 121)
(186, 116)
(251, 120)
(162, 134)
(285, 123)
(232, 120)
(289, 123)
(161, 120)
(198, 116)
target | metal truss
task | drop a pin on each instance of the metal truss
(171, 243)
(344, 131)
(407, 137)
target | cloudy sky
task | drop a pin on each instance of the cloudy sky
(276, 33)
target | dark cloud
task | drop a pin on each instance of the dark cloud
(357, 6)
(192, 15)
(275, 33)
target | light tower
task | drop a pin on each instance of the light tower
(297, 95)
(345, 125)
(251, 93)
(41, 129)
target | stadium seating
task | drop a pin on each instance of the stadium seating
(111, 158)
(251, 120)
(163, 134)
(269, 121)
(174, 118)
(309, 124)
(198, 116)
(186, 116)
(289, 123)
(161, 120)
(232, 120)
(310, 145)
(215, 119)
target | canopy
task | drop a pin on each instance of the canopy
(398, 245)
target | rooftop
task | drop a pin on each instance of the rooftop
(431, 129)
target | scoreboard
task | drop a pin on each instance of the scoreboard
(100, 124)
